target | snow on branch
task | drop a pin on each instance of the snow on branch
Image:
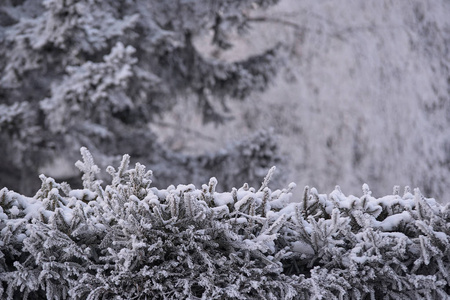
(130, 240)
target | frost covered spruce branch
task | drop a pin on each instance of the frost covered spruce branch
(129, 240)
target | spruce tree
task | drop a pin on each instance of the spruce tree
(97, 73)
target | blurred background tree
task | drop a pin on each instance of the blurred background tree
(365, 96)
(97, 73)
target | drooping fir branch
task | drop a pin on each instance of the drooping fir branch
(96, 73)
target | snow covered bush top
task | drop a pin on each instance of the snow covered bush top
(129, 240)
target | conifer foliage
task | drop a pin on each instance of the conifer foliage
(97, 73)
(129, 240)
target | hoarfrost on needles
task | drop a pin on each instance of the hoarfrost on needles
(127, 239)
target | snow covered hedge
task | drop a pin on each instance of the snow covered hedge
(128, 240)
